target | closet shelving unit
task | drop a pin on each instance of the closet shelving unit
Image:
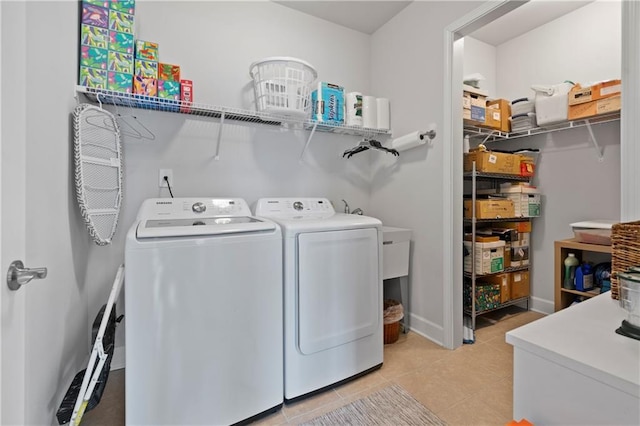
(489, 135)
(496, 178)
(223, 113)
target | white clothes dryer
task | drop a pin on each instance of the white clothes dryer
(332, 293)
(203, 313)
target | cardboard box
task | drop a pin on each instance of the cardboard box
(94, 36)
(186, 95)
(527, 165)
(120, 82)
(519, 284)
(524, 226)
(519, 254)
(95, 15)
(120, 62)
(93, 57)
(492, 208)
(169, 72)
(492, 162)
(121, 22)
(503, 280)
(470, 98)
(593, 108)
(489, 257)
(147, 50)
(148, 69)
(121, 42)
(606, 89)
(487, 297)
(93, 77)
(502, 108)
(145, 85)
(125, 6)
(169, 89)
(526, 199)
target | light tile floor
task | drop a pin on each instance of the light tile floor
(472, 385)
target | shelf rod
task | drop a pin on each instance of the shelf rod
(313, 130)
(217, 156)
(599, 150)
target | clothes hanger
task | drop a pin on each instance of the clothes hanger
(366, 144)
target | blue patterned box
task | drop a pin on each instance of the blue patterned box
(95, 15)
(119, 82)
(94, 36)
(100, 3)
(121, 22)
(93, 57)
(121, 42)
(147, 69)
(120, 62)
(168, 89)
(93, 77)
(124, 6)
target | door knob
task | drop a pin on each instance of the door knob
(18, 275)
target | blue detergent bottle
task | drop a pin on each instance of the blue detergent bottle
(584, 277)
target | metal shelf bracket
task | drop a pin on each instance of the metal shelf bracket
(217, 156)
(599, 150)
(313, 130)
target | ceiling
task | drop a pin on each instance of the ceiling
(363, 16)
(369, 16)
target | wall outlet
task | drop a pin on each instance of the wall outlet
(163, 183)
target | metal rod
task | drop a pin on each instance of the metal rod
(217, 156)
(313, 130)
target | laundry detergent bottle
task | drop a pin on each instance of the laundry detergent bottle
(570, 265)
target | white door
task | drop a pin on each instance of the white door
(12, 230)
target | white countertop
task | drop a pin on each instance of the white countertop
(583, 338)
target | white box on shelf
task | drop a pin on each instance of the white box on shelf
(593, 231)
(489, 257)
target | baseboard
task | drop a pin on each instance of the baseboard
(543, 306)
(118, 360)
(427, 329)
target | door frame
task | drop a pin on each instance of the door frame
(452, 128)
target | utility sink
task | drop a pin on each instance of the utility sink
(395, 252)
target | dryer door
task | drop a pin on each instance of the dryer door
(339, 288)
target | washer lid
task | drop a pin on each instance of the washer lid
(202, 226)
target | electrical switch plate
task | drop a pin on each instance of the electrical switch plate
(161, 174)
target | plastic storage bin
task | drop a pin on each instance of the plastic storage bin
(551, 103)
(593, 231)
(283, 85)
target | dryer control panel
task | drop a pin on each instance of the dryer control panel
(299, 207)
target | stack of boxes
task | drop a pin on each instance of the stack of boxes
(145, 80)
(592, 100)
(106, 44)
(478, 111)
(110, 57)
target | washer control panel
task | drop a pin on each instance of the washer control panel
(193, 207)
(298, 207)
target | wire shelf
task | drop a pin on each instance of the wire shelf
(110, 97)
(503, 219)
(493, 176)
(502, 305)
(504, 271)
(496, 135)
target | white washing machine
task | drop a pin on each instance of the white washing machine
(332, 293)
(203, 313)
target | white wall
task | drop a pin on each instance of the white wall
(214, 43)
(583, 46)
(480, 57)
(407, 63)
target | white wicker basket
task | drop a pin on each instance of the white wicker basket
(283, 85)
